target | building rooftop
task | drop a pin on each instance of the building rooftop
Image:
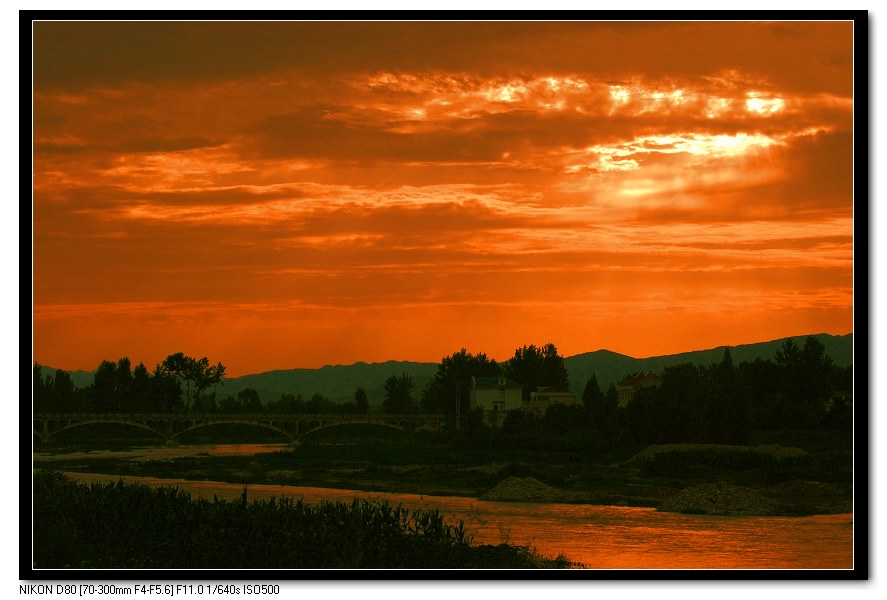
(639, 378)
(553, 390)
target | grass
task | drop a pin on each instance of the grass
(134, 526)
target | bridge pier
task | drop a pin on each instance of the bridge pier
(172, 442)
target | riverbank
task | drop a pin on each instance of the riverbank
(597, 537)
(792, 481)
(126, 525)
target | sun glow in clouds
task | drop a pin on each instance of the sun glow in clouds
(764, 106)
(465, 180)
(457, 95)
(625, 156)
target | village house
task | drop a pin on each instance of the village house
(544, 397)
(626, 390)
(495, 396)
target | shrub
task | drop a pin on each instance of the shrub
(135, 526)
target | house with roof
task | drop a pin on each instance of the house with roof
(544, 397)
(626, 390)
(495, 396)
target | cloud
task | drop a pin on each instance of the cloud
(520, 179)
(808, 55)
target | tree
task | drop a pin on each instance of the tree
(518, 421)
(805, 384)
(592, 396)
(534, 367)
(197, 375)
(123, 384)
(617, 416)
(600, 408)
(318, 404)
(229, 404)
(788, 354)
(398, 394)
(760, 381)
(104, 388)
(290, 404)
(53, 393)
(64, 394)
(249, 400)
(42, 390)
(141, 388)
(561, 418)
(165, 392)
(449, 392)
(361, 401)
(677, 411)
(729, 417)
(205, 403)
(817, 377)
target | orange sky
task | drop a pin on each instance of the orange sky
(280, 195)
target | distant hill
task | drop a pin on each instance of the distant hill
(610, 367)
(80, 378)
(339, 382)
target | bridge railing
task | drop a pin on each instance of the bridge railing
(233, 416)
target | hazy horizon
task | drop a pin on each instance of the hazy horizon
(237, 373)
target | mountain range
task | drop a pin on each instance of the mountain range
(339, 382)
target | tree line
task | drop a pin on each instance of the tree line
(178, 384)
(716, 403)
(184, 384)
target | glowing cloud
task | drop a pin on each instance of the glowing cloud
(376, 198)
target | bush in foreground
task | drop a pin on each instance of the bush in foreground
(136, 526)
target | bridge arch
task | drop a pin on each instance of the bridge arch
(213, 423)
(309, 430)
(49, 432)
(171, 426)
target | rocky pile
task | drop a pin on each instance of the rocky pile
(719, 499)
(523, 489)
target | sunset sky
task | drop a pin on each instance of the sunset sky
(282, 195)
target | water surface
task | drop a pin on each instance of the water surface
(599, 537)
(166, 452)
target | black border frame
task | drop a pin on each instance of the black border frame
(861, 311)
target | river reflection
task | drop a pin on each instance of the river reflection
(599, 537)
(166, 452)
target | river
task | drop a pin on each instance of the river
(599, 537)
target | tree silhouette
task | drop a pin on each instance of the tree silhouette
(600, 408)
(361, 401)
(398, 394)
(248, 400)
(805, 384)
(197, 375)
(53, 393)
(166, 392)
(449, 392)
(729, 418)
(104, 388)
(42, 390)
(141, 388)
(534, 367)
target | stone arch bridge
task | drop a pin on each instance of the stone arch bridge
(171, 426)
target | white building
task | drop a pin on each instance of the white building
(495, 396)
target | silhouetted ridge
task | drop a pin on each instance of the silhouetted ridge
(339, 382)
